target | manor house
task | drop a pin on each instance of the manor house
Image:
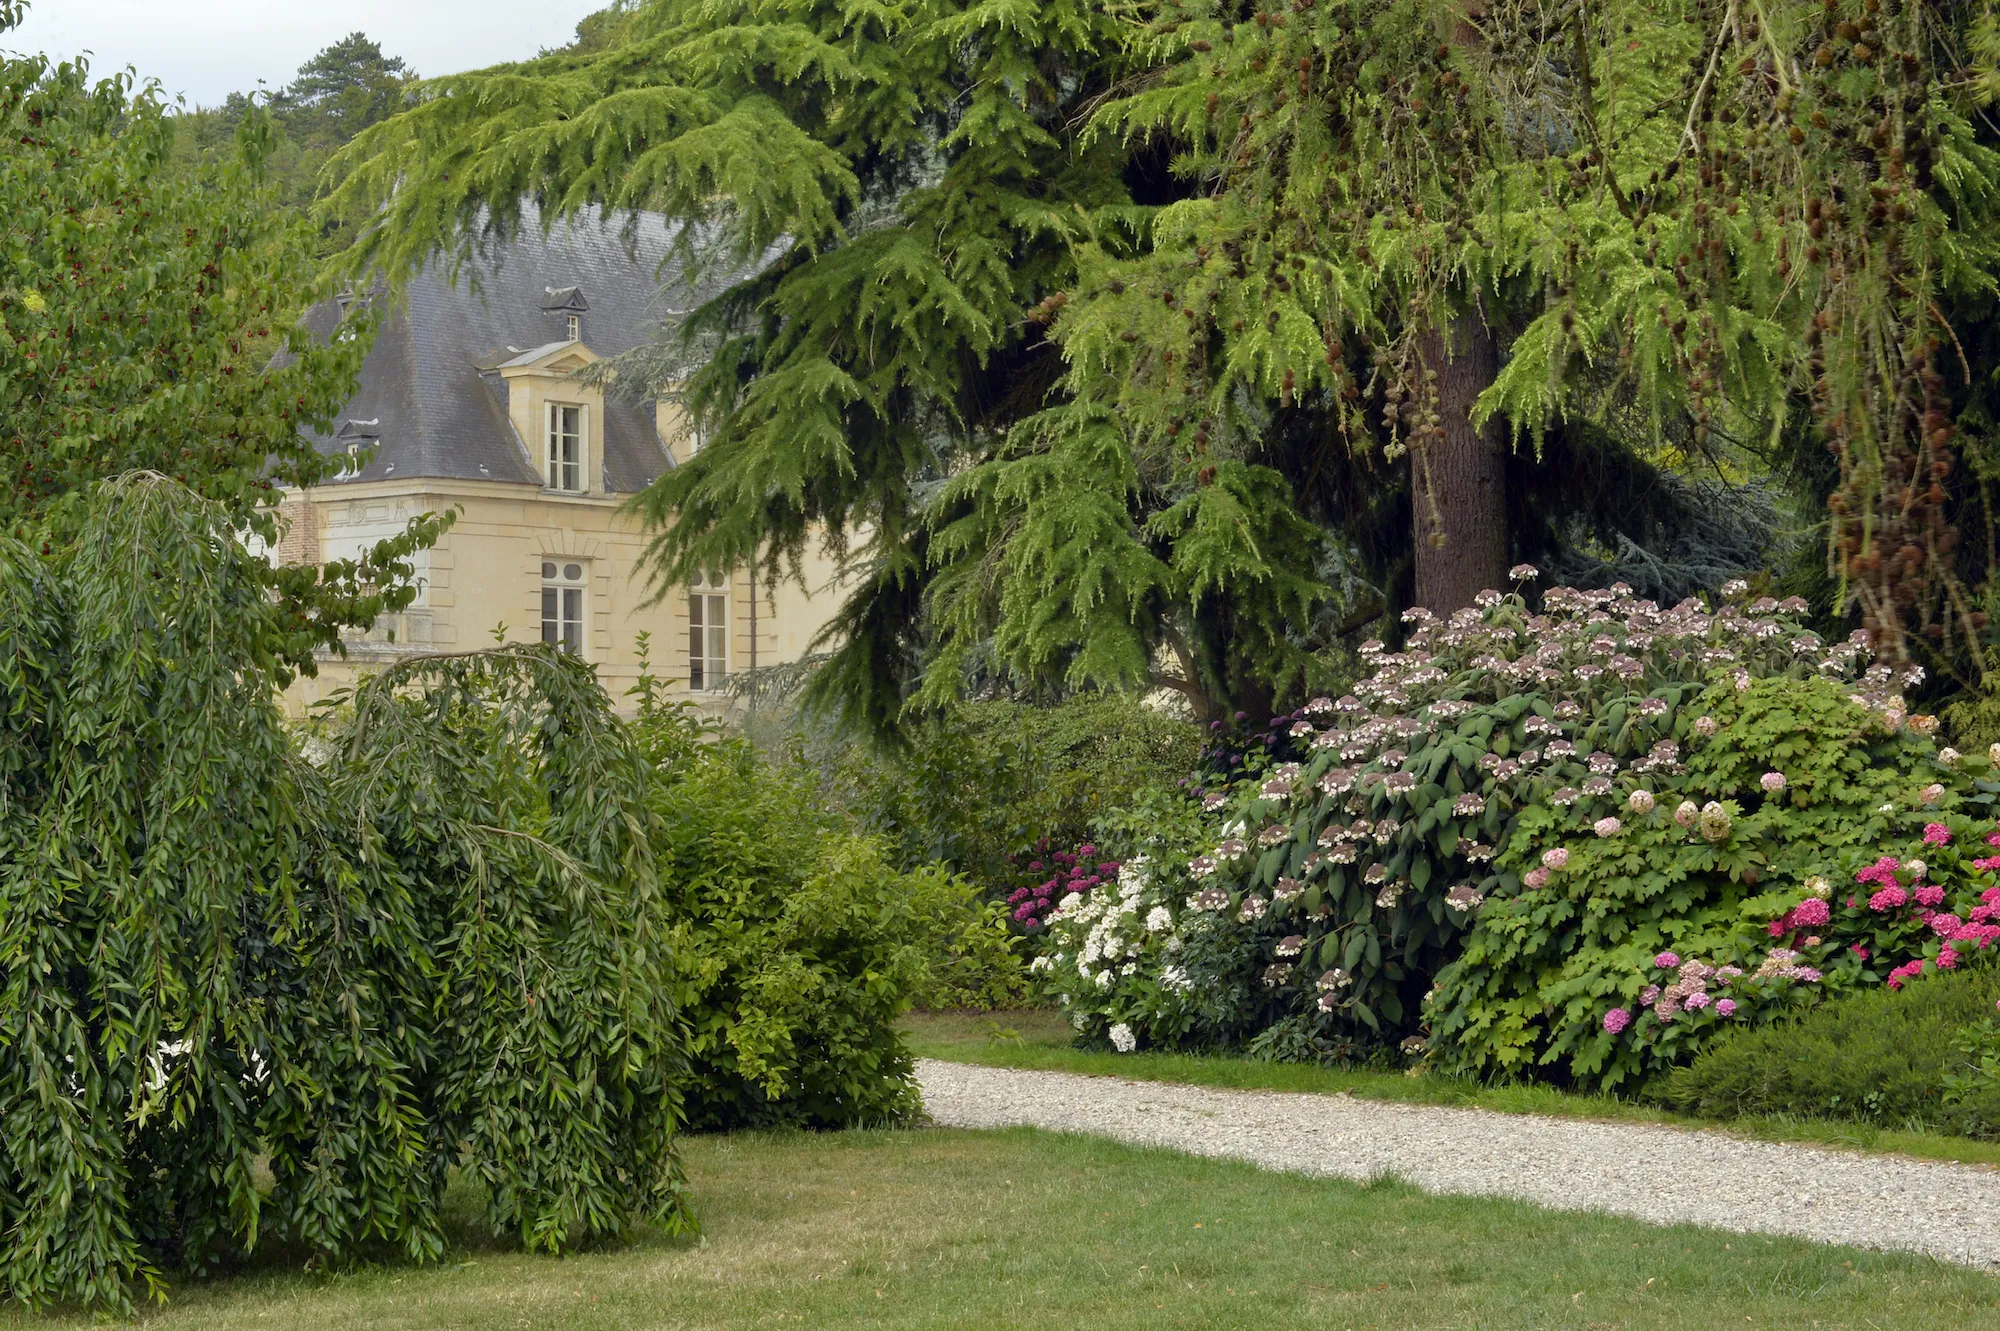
(471, 398)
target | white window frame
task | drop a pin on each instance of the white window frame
(566, 603)
(708, 639)
(573, 323)
(576, 469)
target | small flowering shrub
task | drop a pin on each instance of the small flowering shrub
(1045, 875)
(1135, 962)
(1640, 914)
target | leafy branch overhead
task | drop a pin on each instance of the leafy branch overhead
(1158, 309)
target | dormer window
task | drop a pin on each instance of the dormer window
(566, 445)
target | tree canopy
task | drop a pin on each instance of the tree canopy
(151, 319)
(1166, 343)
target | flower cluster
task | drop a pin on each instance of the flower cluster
(1053, 875)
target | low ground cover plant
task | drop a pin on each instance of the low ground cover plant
(1881, 1055)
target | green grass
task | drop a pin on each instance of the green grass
(1038, 1039)
(1021, 1229)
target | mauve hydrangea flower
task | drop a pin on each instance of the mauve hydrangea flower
(1649, 995)
(1889, 898)
(1535, 878)
(1725, 1007)
(1555, 859)
(1616, 1020)
(1706, 726)
(1666, 961)
(1696, 1001)
(1772, 782)
(1931, 794)
(1607, 827)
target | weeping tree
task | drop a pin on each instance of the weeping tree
(1165, 343)
(428, 943)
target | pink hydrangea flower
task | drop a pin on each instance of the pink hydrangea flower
(1860, 952)
(1772, 782)
(1947, 959)
(1616, 1020)
(1937, 834)
(1929, 895)
(1607, 827)
(1812, 913)
(1555, 859)
(1666, 961)
(1649, 995)
(1725, 1007)
(1888, 899)
(1696, 1001)
(1535, 878)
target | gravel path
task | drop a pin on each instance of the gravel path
(1659, 1174)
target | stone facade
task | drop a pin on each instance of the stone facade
(539, 463)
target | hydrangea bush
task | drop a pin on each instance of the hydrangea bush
(1547, 813)
(1775, 782)
(1045, 875)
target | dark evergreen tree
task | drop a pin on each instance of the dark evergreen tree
(1121, 339)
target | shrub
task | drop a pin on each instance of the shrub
(1879, 1055)
(1402, 851)
(1781, 781)
(434, 946)
(797, 944)
(983, 783)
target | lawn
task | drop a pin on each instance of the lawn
(1020, 1229)
(1040, 1040)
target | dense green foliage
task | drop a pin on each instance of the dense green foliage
(1505, 835)
(982, 786)
(1113, 331)
(1543, 965)
(149, 319)
(797, 945)
(342, 90)
(1880, 1055)
(434, 945)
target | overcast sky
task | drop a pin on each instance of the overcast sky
(208, 49)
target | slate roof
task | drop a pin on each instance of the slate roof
(431, 410)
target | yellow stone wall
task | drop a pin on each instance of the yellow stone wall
(485, 575)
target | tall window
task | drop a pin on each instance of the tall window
(575, 325)
(565, 447)
(708, 632)
(562, 605)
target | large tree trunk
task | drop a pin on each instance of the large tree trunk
(1458, 482)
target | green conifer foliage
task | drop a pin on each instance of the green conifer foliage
(1707, 224)
(1087, 320)
(431, 944)
(912, 182)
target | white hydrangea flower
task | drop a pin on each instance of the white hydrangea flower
(1122, 1038)
(1158, 920)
